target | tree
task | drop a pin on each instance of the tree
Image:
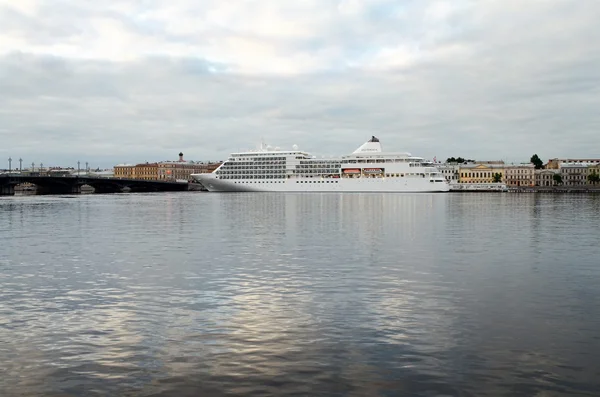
(458, 160)
(593, 177)
(557, 179)
(497, 177)
(535, 160)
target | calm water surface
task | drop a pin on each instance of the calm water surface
(189, 294)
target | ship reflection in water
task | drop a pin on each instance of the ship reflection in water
(299, 294)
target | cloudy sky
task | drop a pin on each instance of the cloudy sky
(127, 81)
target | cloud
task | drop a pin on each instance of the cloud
(136, 81)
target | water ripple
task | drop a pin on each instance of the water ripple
(325, 294)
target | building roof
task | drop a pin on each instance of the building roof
(576, 165)
(575, 160)
(522, 165)
(481, 166)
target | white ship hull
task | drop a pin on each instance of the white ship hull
(367, 169)
(383, 185)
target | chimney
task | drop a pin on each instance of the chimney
(181, 157)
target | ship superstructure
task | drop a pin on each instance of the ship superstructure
(367, 169)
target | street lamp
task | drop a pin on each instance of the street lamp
(41, 167)
(87, 168)
(9, 164)
(32, 166)
(77, 168)
(20, 164)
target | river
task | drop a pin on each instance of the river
(185, 294)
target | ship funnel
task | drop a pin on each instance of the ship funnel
(371, 146)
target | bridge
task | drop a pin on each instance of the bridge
(71, 184)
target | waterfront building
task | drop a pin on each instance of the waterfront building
(146, 171)
(450, 171)
(594, 169)
(126, 171)
(545, 177)
(574, 174)
(519, 175)
(554, 164)
(480, 172)
(181, 169)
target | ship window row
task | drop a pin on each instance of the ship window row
(392, 175)
(315, 174)
(335, 163)
(251, 163)
(252, 177)
(254, 163)
(253, 171)
(259, 175)
(317, 181)
(256, 160)
(269, 156)
(259, 167)
(263, 182)
(313, 170)
(247, 171)
(319, 166)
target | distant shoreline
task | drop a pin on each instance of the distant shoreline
(535, 189)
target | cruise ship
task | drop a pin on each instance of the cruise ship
(367, 169)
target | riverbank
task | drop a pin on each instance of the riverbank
(534, 189)
(555, 189)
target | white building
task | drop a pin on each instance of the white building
(520, 174)
(449, 171)
(574, 174)
(545, 177)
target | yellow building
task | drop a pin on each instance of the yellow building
(181, 170)
(124, 171)
(165, 171)
(480, 173)
(594, 169)
(146, 171)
